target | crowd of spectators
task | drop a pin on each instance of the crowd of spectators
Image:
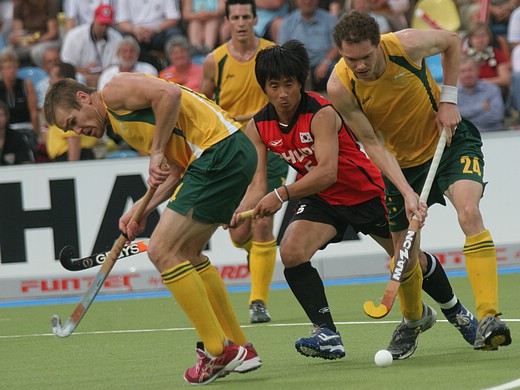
(170, 38)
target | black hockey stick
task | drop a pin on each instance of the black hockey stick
(83, 263)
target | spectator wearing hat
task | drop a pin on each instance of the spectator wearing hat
(93, 48)
(78, 12)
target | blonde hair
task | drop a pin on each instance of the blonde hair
(9, 55)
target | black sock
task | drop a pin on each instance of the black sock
(435, 281)
(307, 287)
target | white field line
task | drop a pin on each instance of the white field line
(507, 386)
(190, 329)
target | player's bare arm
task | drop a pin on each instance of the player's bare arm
(163, 192)
(372, 144)
(135, 91)
(420, 44)
(207, 86)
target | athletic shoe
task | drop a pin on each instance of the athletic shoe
(251, 362)
(323, 343)
(464, 322)
(209, 368)
(258, 312)
(492, 333)
(405, 337)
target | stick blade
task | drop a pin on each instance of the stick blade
(56, 327)
(374, 311)
(66, 255)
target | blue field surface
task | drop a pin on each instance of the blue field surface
(274, 286)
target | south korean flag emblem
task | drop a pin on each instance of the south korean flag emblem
(306, 138)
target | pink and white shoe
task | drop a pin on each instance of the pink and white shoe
(209, 368)
(251, 362)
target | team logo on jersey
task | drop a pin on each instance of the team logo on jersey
(275, 143)
(306, 138)
(122, 126)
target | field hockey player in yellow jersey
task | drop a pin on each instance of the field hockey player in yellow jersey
(229, 78)
(210, 164)
(383, 87)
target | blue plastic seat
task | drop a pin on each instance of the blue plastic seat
(32, 72)
(435, 66)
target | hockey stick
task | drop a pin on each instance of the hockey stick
(80, 264)
(403, 255)
(484, 11)
(427, 19)
(83, 263)
(97, 283)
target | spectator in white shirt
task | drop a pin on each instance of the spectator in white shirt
(128, 53)
(93, 48)
(151, 22)
(78, 12)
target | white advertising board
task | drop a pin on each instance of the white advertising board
(45, 207)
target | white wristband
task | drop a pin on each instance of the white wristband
(278, 195)
(448, 94)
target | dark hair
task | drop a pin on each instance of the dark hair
(66, 70)
(356, 27)
(288, 60)
(245, 2)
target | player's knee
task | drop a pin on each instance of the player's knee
(263, 229)
(469, 216)
(158, 255)
(292, 255)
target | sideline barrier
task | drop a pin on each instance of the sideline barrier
(48, 206)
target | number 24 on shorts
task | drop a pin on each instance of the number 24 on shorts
(471, 165)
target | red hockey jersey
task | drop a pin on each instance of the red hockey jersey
(358, 180)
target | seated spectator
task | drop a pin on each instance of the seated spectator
(479, 101)
(203, 19)
(151, 23)
(313, 27)
(14, 147)
(35, 28)
(6, 21)
(366, 6)
(513, 28)
(499, 14)
(513, 37)
(51, 57)
(394, 11)
(182, 70)
(472, 16)
(270, 14)
(494, 66)
(78, 12)
(92, 48)
(67, 146)
(333, 6)
(20, 97)
(127, 54)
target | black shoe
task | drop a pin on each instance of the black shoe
(405, 337)
(491, 334)
(258, 312)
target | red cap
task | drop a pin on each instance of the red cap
(104, 14)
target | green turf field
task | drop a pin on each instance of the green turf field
(148, 344)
